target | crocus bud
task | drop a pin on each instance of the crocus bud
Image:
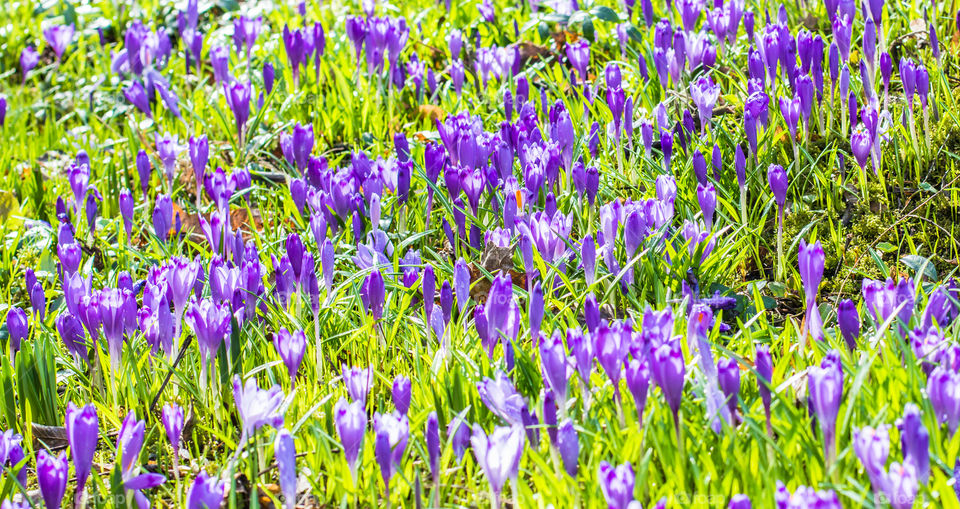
(82, 427)
(848, 319)
(915, 441)
(290, 346)
(401, 394)
(17, 328)
(728, 376)
(568, 444)
(286, 455)
(777, 178)
(811, 262)
(763, 364)
(432, 436)
(943, 389)
(872, 446)
(351, 422)
(825, 386)
(372, 294)
(617, 484)
(52, 477)
(172, 417)
(461, 279)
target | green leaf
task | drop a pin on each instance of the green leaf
(605, 13)
(919, 264)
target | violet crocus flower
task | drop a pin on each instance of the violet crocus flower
(17, 328)
(461, 280)
(915, 441)
(872, 446)
(861, 143)
(391, 433)
(351, 421)
(401, 394)
(707, 198)
(498, 455)
(763, 364)
(52, 477)
(373, 293)
(848, 319)
(172, 417)
(210, 322)
(257, 407)
(290, 346)
(617, 484)
(902, 485)
(29, 58)
(728, 376)
(432, 437)
(805, 497)
(82, 427)
(668, 370)
(501, 397)
(285, 454)
(556, 365)
(206, 492)
(637, 376)
(811, 262)
(610, 345)
(568, 444)
(198, 148)
(578, 53)
(358, 382)
(825, 386)
(238, 98)
(167, 150)
(704, 93)
(59, 37)
(943, 389)
(70, 330)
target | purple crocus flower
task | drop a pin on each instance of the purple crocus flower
(210, 322)
(763, 364)
(617, 484)
(825, 386)
(668, 370)
(610, 345)
(704, 93)
(848, 319)
(59, 37)
(82, 426)
(391, 433)
(373, 293)
(52, 477)
(401, 394)
(501, 397)
(461, 279)
(206, 492)
(861, 143)
(70, 330)
(943, 389)
(257, 407)
(811, 260)
(872, 446)
(29, 58)
(707, 197)
(578, 53)
(358, 382)
(351, 421)
(172, 417)
(167, 150)
(915, 441)
(17, 328)
(285, 454)
(728, 376)
(432, 437)
(498, 455)
(556, 365)
(238, 98)
(777, 178)
(290, 346)
(568, 444)
(637, 376)
(902, 485)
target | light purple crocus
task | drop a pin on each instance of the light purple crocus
(290, 346)
(498, 455)
(811, 262)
